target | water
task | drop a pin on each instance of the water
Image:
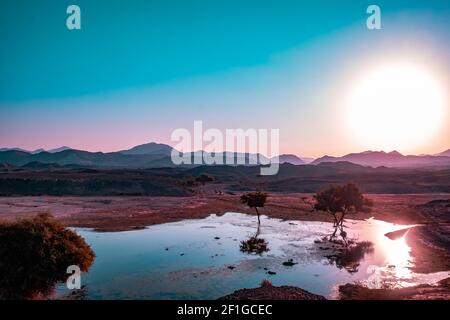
(185, 260)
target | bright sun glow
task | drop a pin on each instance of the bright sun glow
(396, 106)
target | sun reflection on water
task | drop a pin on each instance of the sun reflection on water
(393, 261)
(398, 258)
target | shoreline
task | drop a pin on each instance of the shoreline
(122, 213)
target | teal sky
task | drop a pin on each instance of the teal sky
(139, 69)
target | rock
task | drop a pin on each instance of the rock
(289, 263)
(269, 292)
(271, 272)
(397, 234)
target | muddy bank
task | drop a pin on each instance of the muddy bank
(127, 213)
(267, 291)
(441, 291)
(430, 242)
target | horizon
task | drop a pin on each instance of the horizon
(301, 156)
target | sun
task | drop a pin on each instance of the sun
(395, 106)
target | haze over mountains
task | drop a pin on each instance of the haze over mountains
(392, 159)
(37, 150)
(153, 155)
(446, 153)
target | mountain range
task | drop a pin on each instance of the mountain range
(392, 159)
(154, 155)
(37, 150)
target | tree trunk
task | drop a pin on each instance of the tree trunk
(334, 216)
(333, 235)
(257, 213)
(341, 227)
(335, 225)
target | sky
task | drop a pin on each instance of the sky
(137, 70)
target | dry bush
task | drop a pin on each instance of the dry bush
(35, 254)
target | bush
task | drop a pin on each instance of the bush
(254, 199)
(35, 254)
(204, 178)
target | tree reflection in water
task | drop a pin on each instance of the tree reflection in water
(254, 245)
(348, 256)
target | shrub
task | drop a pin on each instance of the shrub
(204, 178)
(35, 254)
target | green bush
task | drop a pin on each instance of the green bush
(35, 254)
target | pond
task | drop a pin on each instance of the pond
(201, 259)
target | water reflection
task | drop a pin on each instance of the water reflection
(254, 244)
(191, 259)
(396, 267)
(350, 255)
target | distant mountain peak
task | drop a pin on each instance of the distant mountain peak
(445, 153)
(149, 148)
(37, 151)
(395, 153)
(289, 158)
(63, 148)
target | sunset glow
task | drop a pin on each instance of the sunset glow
(395, 106)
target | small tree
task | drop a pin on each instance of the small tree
(201, 180)
(204, 178)
(341, 201)
(254, 200)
